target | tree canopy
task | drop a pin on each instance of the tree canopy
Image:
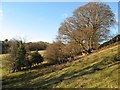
(89, 25)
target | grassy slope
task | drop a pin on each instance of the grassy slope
(2, 60)
(95, 70)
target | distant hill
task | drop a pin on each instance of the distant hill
(113, 40)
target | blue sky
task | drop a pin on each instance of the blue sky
(38, 21)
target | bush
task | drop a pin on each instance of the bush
(20, 56)
(36, 58)
(28, 62)
(7, 64)
(116, 58)
(54, 53)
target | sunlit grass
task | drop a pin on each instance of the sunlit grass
(97, 70)
(42, 52)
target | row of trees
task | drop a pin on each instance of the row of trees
(82, 32)
(31, 46)
(5, 46)
(20, 57)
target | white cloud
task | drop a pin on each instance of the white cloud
(117, 22)
(116, 14)
(65, 15)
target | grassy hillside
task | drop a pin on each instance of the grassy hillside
(111, 41)
(97, 70)
(3, 60)
(0, 67)
(2, 71)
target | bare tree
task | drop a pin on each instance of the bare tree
(89, 25)
(54, 53)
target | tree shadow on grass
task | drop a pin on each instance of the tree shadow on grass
(49, 82)
(24, 79)
(21, 81)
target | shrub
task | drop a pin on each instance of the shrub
(54, 53)
(36, 58)
(20, 56)
(8, 64)
(116, 58)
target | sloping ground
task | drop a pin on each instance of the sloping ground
(111, 41)
(97, 70)
(1, 63)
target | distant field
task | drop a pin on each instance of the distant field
(97, 70)
(1, 65)
(2, 56)
(42, 52)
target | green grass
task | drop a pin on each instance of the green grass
(2, 60)
(97, 70)
(42, 52)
